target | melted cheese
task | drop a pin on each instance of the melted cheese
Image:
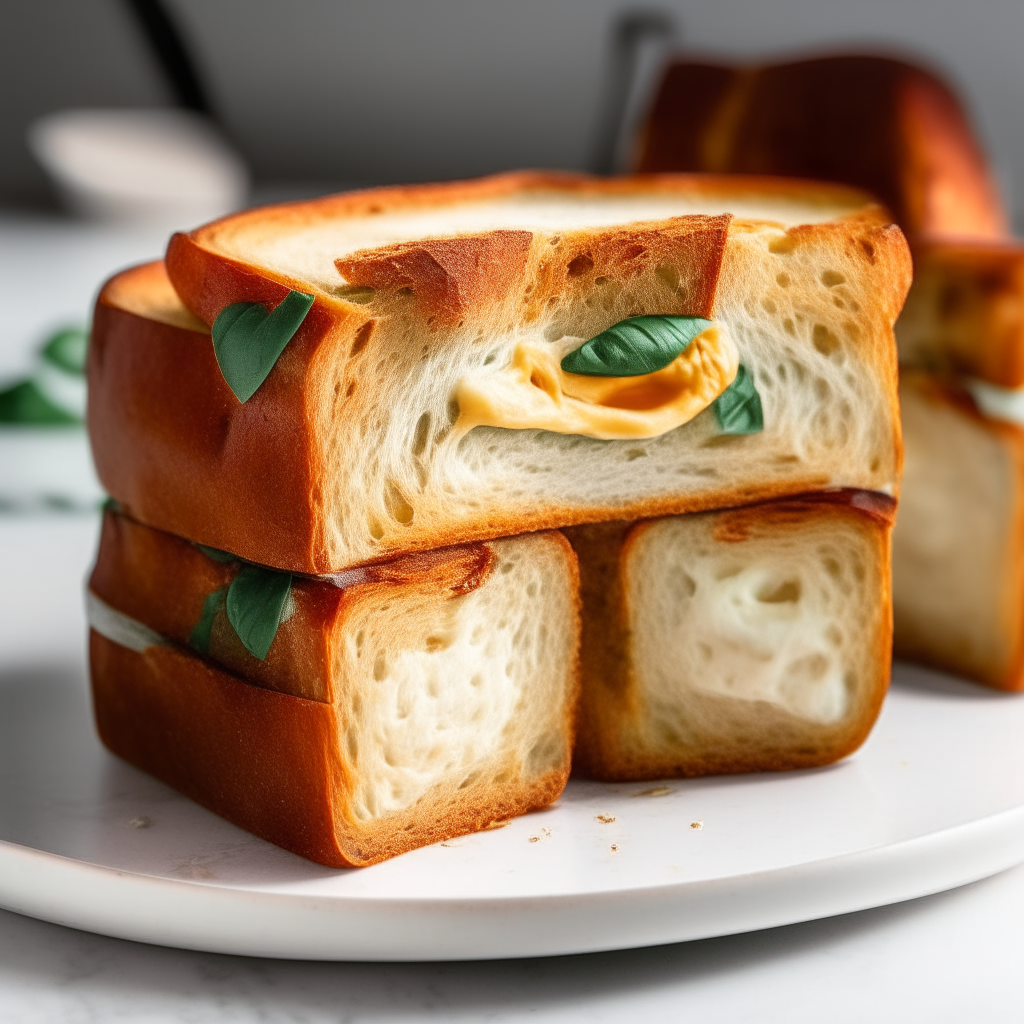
(533, 392)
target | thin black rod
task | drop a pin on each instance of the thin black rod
(173, 55)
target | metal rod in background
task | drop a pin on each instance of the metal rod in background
(173, 55)
(629, 32)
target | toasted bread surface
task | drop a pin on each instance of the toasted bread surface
(440, 709)
(892, 129)
(755, 639)
(958, 563)
(362, 396)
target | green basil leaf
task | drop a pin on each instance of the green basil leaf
(199, 638)
(66, 350)
(27, 405)
(255, 603)
(217, 555)
(738, 407)
(248, 340)
(639, 345)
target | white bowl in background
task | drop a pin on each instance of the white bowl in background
(163, 165)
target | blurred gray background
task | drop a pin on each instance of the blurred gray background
(329, 92)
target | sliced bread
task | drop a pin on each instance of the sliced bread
(421, 403)
(755, 639)
(395, 708)
(958, 546)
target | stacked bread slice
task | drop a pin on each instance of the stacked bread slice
(900, 132)
(329, 603)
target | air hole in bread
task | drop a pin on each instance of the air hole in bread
(359, 294)
(788, 326)
(769, 305)
(783, 280)
(601, 281)
(422, 432)
(782, 245)
(825, 341)
(581, 265)
(667, 273)
(438, 643)
(362, 337)
(380, 666)
(632, 454)
(830, 278)
(869, 249)
(809, 669)
(832, 567)
(399, 507)
(376, 530)
(786, 592)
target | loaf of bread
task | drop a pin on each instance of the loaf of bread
(958, 550)
(753, 639)
(421, 404)
(895, 130)
(396, 706)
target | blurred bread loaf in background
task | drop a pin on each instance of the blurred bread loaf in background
(901, 132)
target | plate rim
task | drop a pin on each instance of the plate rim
(48, 886)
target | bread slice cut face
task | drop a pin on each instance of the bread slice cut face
(400, 706)
(754, 639)
(958, 547)
(421, 404)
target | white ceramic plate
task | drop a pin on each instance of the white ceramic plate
(935, 799)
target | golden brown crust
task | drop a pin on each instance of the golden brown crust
(887, 127)
(450, 276)
(269, 761)
(163, 581)
(993, 670)
(607, 749)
